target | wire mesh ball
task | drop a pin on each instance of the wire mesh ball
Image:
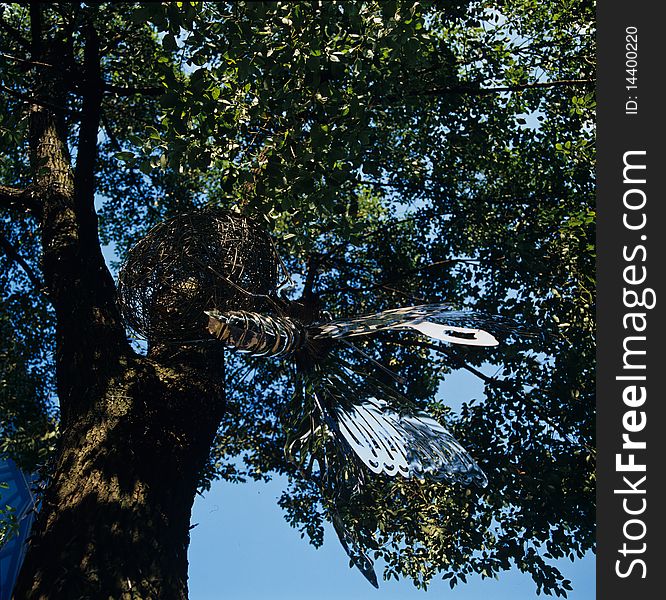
(194, 262)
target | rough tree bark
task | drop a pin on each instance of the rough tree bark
(135, 430)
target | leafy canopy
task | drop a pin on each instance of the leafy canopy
(400, 152)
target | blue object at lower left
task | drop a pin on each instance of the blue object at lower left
(19, 496)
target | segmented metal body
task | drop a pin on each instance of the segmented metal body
(256, 334)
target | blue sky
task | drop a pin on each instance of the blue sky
(242, 548)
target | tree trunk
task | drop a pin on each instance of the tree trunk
(135, 431)
(115, 520)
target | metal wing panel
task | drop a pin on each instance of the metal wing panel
(380, 321)
(374, 439)
(442, 460)
(438, 321)
(388, 442)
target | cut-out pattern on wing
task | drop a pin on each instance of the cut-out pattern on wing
(411, 444)
(438, 321)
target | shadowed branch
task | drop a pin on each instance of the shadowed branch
(14, 255)
(15, 198)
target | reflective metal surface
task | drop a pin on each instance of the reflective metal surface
(438, 321)
(389, 437)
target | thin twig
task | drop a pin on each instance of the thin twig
(509, 88)
(110, 133)
(457, 360)
(398, 277)
(26, 61)
(28, 99)
(13, 254)
(394, 376)
(131, 91)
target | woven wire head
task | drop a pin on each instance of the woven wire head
(194, 262)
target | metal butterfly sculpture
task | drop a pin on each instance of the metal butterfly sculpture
(369, 422)
(206, 264)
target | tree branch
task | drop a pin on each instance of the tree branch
(379, 184)
(310, 276)
(458, 362)
(14, 255)
(36, 30)
(25, 61)
(462, 364)
(491, 381)
(131, 91)
(86, 157)
(14, 198)
(473, 91)
(28, 99)
(381, 229)
(90, 337)
(96, 276)
(110, 133)
(398, 277)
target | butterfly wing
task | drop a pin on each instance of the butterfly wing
(438, 321)
(362, 427)
(356, 425)
(366, 417)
